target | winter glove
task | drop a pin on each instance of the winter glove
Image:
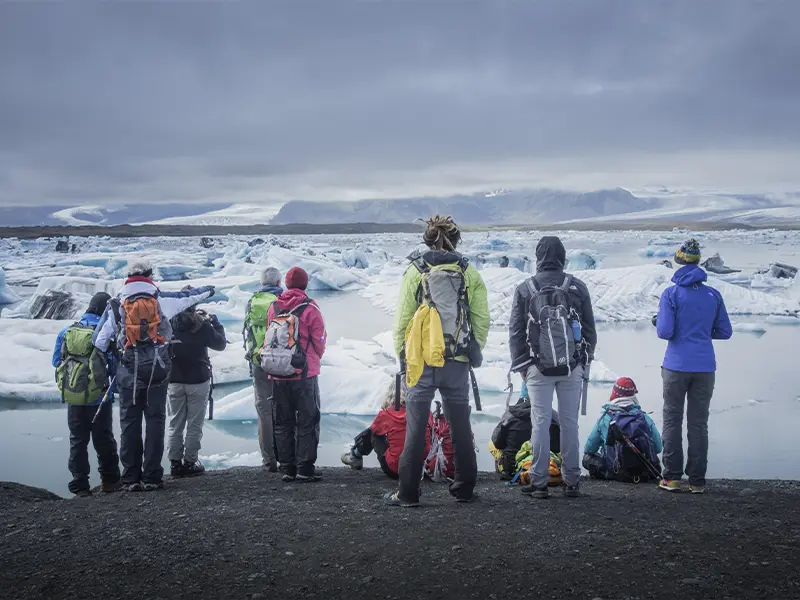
(654, 320)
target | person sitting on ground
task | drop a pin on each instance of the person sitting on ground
(255, 327)
(190, 385)
(513, 430)
(608, 453)
(138, 322)
(386, 436)
(294, 344)
(87, 416)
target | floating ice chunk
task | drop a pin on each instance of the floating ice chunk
(783, 320)
(582, 260)
(356, 258)
(656, 252)
(715, 264)
(754, 328)
(7, 295)
(26, 346)
(322, 274)
(228, 460)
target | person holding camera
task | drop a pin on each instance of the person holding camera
(194, 332)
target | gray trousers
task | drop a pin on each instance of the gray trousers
(452, 381)
(141, 459)
(568, 390)
(698, 388)
(262, 385)
(187, 410)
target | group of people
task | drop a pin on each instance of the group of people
(151, 348)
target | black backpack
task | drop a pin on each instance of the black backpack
(552, 327)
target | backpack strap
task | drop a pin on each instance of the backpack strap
(533, 286)
(567, 283)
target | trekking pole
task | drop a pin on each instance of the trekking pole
(585, 388)
(211, 400)
(629, 442)
(509, 389)
(398, 382)
(105, 398)
(475, 391)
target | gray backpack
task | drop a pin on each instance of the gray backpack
(552, 328)
(282, 355)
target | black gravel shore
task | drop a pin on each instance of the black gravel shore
(244, 534)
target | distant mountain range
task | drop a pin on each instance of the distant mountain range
(503, 207)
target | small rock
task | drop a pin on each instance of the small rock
(456, 548)
(747, 492)
(367, 579)
(258, 596)
(670, 564)
(58, 531)
(690, 581)
(290, 553)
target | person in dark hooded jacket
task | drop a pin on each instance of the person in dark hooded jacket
(551, 259)
(690, 315)
(513, 430)
(194, 332)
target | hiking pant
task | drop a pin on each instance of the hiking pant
(187, 408)
(568, 390)
(366, 441)
(141, 460)
(262, 386)
(101, 432)
(698, 387)
(452, 381)
(297, 414)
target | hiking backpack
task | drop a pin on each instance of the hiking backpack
(621, 461)
(444, 287)
(255, 325)
(145, 335)
(82, 374)
(552, 328)
(281, 354)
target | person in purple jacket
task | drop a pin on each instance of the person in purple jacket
(690, 315)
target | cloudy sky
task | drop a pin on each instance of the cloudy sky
(319, 99)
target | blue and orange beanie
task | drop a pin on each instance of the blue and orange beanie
(688, 253)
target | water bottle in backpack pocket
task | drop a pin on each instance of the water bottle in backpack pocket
(282, 354)
(553, 337)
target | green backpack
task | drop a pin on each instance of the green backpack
(82, 376)
(255, 325)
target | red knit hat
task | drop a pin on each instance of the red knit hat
(296, 278)
(624, 388)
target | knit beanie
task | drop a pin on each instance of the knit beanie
(97, 305)
(688, 253)
(296, 278)
(624, 388)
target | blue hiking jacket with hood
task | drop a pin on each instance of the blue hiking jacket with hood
(690, 315)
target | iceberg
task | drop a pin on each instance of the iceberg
(582, 260)
(356, 258)
(7, 295)
(26, 372)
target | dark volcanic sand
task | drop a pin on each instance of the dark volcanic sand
(244, 534)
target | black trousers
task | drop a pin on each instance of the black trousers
(101, 433)
(141, 459)
(366, 441)
(296, 424)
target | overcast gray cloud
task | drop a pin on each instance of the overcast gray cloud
(180, 101)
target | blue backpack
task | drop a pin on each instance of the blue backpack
(626, 463)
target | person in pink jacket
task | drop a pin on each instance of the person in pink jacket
(296, 398)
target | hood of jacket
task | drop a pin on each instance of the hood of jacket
(435, 258)
(183, 322)
(623, 404)
(90, 319)
(550, 254)
(134, 288)
(689, 275)
(275, 290)
(291, 299)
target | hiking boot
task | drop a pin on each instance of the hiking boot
(287, 478)
(109, 487)
(133, 487)
(352, 460)
(271, 467)
(572, 491)
(467, 499)
(152, 487)
(536, 493)
(176, 468)
(316, 476)
(193, 469)
(393, 499)
(671, 485)
(83, 494)
(697, 489)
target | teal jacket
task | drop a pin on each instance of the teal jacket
(597, 438)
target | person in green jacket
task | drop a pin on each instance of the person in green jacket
(444, 279)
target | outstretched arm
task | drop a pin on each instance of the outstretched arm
(175, 303)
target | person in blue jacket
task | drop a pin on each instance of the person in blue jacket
(690, 315)
(604, 461)
(82, 423)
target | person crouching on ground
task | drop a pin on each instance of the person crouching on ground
(435, 361)
(690, 315)
(294, 344)
(190, 386)
(608, 454)
(386, 436)
(255, 327)
(138, 320)
(83, 375)
(513, 430)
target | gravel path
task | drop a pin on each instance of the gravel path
(244, 534)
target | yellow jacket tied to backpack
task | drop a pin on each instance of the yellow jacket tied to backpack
(424, 343)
